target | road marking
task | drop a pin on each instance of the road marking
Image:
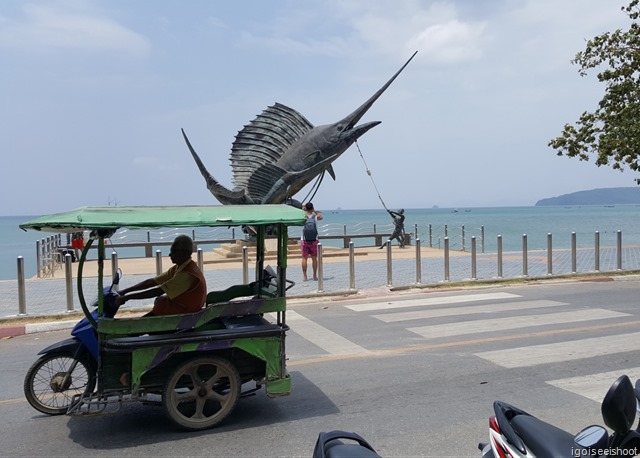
(595, 386)
(430, 301)
(398, 351)
(469, 310)
(516, 322)
(563, 351)
(322, 337)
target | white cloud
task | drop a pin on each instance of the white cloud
(46, 27)
(436, 29)
(450, 42)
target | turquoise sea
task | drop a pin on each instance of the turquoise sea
(509, 222)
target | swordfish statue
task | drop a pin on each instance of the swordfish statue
(280, 151)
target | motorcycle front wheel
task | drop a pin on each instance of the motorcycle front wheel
(53, 380)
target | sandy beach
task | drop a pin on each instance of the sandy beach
(213, 260)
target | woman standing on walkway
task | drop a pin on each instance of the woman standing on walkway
(309, 242)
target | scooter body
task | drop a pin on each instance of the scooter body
(83, 338)
(516, 433)
(67, 368)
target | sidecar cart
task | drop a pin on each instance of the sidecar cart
(196, 365)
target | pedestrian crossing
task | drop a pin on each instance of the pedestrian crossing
(535, 355)
(468, 310)
(518, 322)
(595, 385)
(470, 318)
(331, 342)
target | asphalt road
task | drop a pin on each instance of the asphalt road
(414, 375)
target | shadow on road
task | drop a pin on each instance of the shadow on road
(137, 425)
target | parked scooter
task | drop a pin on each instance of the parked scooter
(516, 433)
(68, 368)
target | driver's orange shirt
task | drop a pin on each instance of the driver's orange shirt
(185, 286)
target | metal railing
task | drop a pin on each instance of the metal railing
(410, 272)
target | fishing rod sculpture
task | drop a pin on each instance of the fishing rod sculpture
(280, 152)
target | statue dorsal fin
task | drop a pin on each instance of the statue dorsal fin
(262, 181)
(264, 140)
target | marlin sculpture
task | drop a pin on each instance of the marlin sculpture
(280, 152)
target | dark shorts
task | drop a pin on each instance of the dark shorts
(309, 249)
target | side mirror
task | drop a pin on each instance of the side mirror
(592, 438)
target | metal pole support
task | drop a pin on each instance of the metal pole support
(200, 257)
(463, 239)
(114, 267)
(158, 262)
(418, 262)
(525, 259)
(597, 251)
(389, 266)
(245, 265)
(68, 280)
(446, 259)
(499, 244)
(352, 267)
(549, 254)
(38, 259)
(574, 255)
(320, 270)
(474, 274)
(22, 299)
(619, 248)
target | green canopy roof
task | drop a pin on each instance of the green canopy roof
(89, 218)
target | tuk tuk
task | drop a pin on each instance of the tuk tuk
(194, 364)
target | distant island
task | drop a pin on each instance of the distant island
(602, 196)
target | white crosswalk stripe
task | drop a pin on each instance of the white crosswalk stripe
(465, 310)
(563, 351)
(594, 386)
(479, 326)
(430, 301)
(322, 337)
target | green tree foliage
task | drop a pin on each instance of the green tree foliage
(611, 133)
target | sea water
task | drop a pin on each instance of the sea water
(459, 225)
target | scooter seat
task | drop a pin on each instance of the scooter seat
(544, 439)
(337, 449)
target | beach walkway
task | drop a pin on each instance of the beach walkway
(48, 296)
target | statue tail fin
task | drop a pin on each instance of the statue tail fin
(224, 195)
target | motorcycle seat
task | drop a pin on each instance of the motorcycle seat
(337, 449)
(544, 439)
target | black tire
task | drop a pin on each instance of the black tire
(201, 392)
(45, 387)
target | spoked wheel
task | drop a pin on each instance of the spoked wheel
(53, 380)
(201, 392)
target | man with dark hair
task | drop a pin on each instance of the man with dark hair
(181, 289)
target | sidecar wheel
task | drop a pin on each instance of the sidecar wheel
(49, 390)
(201, 392)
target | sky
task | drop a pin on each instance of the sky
(94, 94)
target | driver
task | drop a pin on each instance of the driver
(181, 289)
